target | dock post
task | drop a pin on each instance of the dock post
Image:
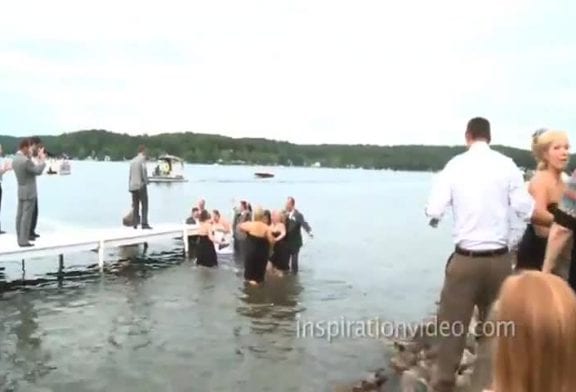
(60, 267)
(101, 256)
(185, 240)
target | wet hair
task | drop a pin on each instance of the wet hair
(478, 128)
(24, 143)
(267, 217)
(204, 216)
(195, 209)
(542, 139)
(258, 215)
(216, 213)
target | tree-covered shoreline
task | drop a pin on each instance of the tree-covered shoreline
(205, 148)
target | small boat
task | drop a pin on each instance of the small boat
(65, 167)
(169, 168)
(58, 166)
(263, 175)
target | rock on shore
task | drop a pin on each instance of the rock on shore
(410, 366)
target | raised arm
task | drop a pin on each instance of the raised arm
(35, 169)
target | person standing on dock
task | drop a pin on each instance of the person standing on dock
(481, 186)
(6, 166)
(138, 187)
(26, 171)
(35, 145)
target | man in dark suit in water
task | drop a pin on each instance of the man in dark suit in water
(295, 222)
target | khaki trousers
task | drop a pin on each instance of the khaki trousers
(469, 281)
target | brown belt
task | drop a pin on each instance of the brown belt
(481, 253)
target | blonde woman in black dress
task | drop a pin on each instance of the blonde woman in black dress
(280, 258)
(258, 240)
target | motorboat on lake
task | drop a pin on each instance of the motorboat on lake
(169, 168)
(263, 175)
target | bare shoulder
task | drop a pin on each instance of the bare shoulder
(539, 179)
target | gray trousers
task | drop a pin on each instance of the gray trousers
(469, 282)
(24, 220)
(140, 197)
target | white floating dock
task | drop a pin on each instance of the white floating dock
(81, 240)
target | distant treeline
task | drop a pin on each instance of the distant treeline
(203, 148)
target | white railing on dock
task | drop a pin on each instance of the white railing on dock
(80, 240)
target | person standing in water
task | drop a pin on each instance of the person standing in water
(257, 247)
(280, 258)
(295, 222)
(205, 250)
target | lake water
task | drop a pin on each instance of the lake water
(156, 322)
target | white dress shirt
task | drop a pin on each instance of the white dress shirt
(482, 186)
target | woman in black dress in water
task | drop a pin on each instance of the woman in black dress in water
(280, 258)
(551, 150)
(257, 247)
(205, 250)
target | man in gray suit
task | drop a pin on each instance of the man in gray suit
(295, 222)
(6, 166)
(26, 172)
(138, 186)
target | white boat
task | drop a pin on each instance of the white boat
(58, 166)
(169, 168)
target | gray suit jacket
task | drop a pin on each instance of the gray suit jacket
(138, 175)
(26, 172)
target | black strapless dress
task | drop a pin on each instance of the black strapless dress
(256, 254)
(280, 254)
(568, 220)
(205, 252)
(532, 247)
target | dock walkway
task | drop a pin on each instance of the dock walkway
(81, 240)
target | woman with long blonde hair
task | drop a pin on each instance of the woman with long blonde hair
(535, 326)
(551, 151)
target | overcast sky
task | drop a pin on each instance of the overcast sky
(310, 71)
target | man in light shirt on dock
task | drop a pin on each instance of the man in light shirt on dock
(481, 186)
(138, 187)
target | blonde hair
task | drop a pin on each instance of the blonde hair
(278, 214)
(541, 352)
(542, 139)
(258, 214)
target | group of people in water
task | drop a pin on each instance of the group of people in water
(483, 188)
(262, 239)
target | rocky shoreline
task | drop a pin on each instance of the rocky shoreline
(410, 365)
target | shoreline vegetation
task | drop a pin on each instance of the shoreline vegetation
(216, 149)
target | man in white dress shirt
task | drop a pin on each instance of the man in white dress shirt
(481, 186)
